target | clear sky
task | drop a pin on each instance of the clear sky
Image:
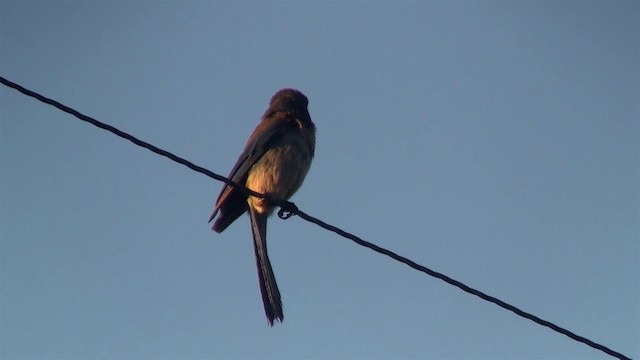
(496, 142)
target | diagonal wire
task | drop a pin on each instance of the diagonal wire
(460, 285)
(131, 138)
(289, 208)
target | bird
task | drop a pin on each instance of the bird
(274, 162)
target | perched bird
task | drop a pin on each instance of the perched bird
(274, 162)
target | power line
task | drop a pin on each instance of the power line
(288, 208)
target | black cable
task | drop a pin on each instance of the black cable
(288, 208)
(461, 286)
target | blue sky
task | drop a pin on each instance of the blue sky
(496, 142)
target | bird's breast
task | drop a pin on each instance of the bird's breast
(281, 170)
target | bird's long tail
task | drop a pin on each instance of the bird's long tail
(268, 286)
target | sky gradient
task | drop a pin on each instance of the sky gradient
(495, 142)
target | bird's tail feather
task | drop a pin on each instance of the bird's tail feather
(268, 287)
